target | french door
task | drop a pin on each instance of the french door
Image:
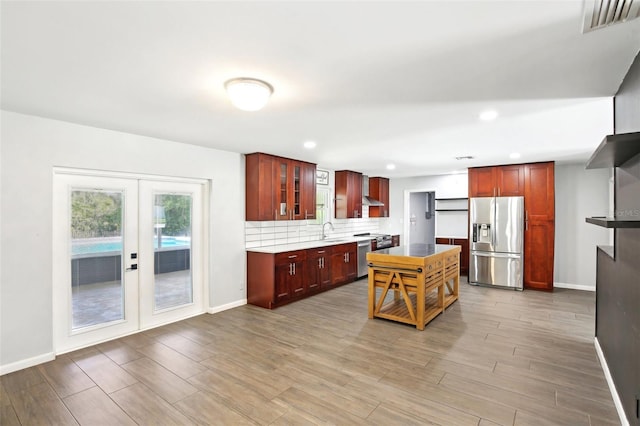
(127, 255)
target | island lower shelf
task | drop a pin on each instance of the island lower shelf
(413, 284)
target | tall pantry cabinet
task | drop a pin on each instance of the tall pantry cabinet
(535, 182)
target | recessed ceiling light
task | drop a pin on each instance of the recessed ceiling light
(514, 155)
(248, 94)
(488, 115)
(391, 166)
(309, 144)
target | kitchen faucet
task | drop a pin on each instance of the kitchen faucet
(323, 233)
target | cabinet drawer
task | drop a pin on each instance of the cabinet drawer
(318, 252)
(451, 259)
(290, 256)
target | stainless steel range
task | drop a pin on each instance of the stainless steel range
(382, 241)
(377, 242)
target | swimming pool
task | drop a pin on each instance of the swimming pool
(94, 246)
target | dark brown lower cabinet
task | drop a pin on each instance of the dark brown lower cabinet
(538, 255)
(289, 275)
(464, 252)
(318, 269)
(275, 279)
(344, 263)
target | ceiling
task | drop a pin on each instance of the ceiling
(371, 83)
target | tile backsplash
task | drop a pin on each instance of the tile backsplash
(268, 233)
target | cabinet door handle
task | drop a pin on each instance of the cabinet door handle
(319, 262)
(293, 256)
(294, 269)
(290, 269)
(323, 263)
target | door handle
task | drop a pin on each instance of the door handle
(133, 267)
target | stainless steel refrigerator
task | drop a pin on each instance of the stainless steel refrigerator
(497, 247)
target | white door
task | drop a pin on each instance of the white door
(171, 232)
(127, 255)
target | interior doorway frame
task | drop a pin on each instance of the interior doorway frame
(407, 210)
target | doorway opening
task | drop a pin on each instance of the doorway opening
(420, 217)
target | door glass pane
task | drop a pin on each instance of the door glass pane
(283, 189)
(172, 250)
(96, 257)
(296, 190)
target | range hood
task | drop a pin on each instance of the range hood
(366, 200)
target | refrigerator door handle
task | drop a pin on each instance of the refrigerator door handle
(493, 224)
(492, 254)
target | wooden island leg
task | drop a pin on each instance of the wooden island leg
(372, 292)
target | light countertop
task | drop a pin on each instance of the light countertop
(281, 248)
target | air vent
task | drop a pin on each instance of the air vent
(465, 157)
(601, 13)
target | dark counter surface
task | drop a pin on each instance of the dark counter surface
(416, 250)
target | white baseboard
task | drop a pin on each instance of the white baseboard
(26, 363)
(575, 286)
(612, 386)
(216, 309)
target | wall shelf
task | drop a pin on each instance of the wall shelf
(610, 222)
(451, 199)
(615, 150)
(452, 210)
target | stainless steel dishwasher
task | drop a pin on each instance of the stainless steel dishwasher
(364, 247)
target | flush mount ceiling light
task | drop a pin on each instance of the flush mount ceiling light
(248, 94)
(514, 155)
(488, 115)
(309, 144)
(391, 166)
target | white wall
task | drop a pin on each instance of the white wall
(580, 193)
(29, 148)
(444, 186)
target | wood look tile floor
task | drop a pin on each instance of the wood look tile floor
(494, 357)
